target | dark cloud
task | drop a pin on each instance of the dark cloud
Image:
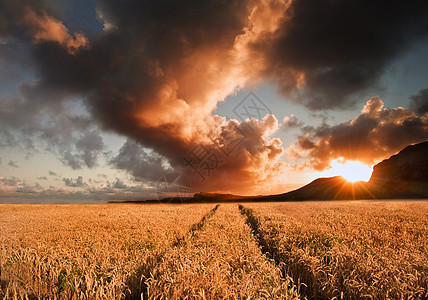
(9, 181)
(140, 162)
(142, 72)
(78, 182)
(15, 62)
(119, 184)
(39, 112)
(7, 138)
(291, 122)
(70, 160)
(138, 76)
(13, 186)
(26, 189)
(110, 192)
(375, 134)
(327, 52)
(419, 102)
(91, 144)
(42, 178)
(118, 189)
(158, 70)
(12, 164)
(29, 123)
(51, 173)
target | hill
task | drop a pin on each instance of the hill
(402, 176)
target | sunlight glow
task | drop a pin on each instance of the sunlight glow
(352, 171)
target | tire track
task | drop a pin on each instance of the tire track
(138, 284)
(219, 260)
(195, 227)
(306, 282)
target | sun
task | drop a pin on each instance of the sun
(352, 171)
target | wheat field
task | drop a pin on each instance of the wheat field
(348, 250)
(312, 250)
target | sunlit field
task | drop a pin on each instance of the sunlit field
(351, 250)
(313, 250)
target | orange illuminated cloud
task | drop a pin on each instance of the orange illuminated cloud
(156, 76)
(375, 134)
(43, 27)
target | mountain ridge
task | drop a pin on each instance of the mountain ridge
(403, 175)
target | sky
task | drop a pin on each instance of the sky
(114, 100)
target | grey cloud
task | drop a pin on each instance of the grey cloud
(419, 102)
(291, 122)
(27, 189)
(30, 123)
(10, 186)
(140, 162)
(12, 164)
(71, 160)
(91, 144)
(119, 184)
(10, 181)
(89, 147)
(16, 188)
(340, 48)
(78, 182)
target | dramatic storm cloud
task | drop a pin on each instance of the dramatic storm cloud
(155, 75)
(158, 70)
(325, 52)
(374, 135)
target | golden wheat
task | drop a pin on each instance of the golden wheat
(133, 252)
(84, 251)
(222, 260)
(351, 250)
